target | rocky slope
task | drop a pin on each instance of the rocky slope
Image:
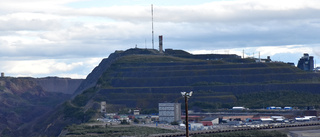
(24, 100)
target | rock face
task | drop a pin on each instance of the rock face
(62, 85)
(23, 100)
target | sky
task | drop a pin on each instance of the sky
(68, 38)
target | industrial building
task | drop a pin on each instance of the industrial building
(306, 62)
(209, 121)
(169, 112)
(103, 107)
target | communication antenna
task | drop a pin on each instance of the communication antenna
(152, 27)
(259, 57)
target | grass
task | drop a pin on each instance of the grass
(153, 59)
(128, 130)
(246, 134)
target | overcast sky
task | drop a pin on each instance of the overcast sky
(68, 38)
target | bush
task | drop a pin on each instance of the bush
(174, 123)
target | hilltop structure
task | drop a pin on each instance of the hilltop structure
(306, 62)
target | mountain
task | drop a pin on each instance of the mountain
(24, 100)
(142, 78)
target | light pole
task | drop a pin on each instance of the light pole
(186, 96)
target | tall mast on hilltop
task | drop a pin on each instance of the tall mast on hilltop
(152, 27)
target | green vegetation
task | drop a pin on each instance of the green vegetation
(278, 98)
(245, 134)
(150, 111)
(99, 131)
(82, 99)
(143, 80)
(153, 59)
(77, 113)
(208, 106)
(255, 100)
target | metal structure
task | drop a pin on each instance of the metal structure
(186, 96)
(152, 27)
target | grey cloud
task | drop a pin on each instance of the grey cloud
(30, 25)
(183, 27)
(201, 13)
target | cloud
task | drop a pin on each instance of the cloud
(220, 24)
(285, 53)
(75, 68)
(29, 22)
(283, 49)
(38, 66)
(217, 11)
(51, 34)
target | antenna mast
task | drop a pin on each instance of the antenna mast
(152, 27)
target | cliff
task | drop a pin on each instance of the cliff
(62, 85)
(22, 101)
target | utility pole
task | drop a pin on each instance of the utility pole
(186, 109)
(186, 96)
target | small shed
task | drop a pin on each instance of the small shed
(209, 121)
(238, 108)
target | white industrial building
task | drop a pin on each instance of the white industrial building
(103, 107)
(169, 112)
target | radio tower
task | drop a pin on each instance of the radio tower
(152, 27)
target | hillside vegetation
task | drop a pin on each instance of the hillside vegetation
(141, 78)
(145, 80)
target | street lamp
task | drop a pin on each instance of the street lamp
(186, 96)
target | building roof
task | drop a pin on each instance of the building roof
(261, 117)
(209, 118)
(236, 117)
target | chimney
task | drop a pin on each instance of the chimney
(2, 74)
(160, 43)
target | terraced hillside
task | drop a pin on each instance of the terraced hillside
(145, 80)
(141, 78)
